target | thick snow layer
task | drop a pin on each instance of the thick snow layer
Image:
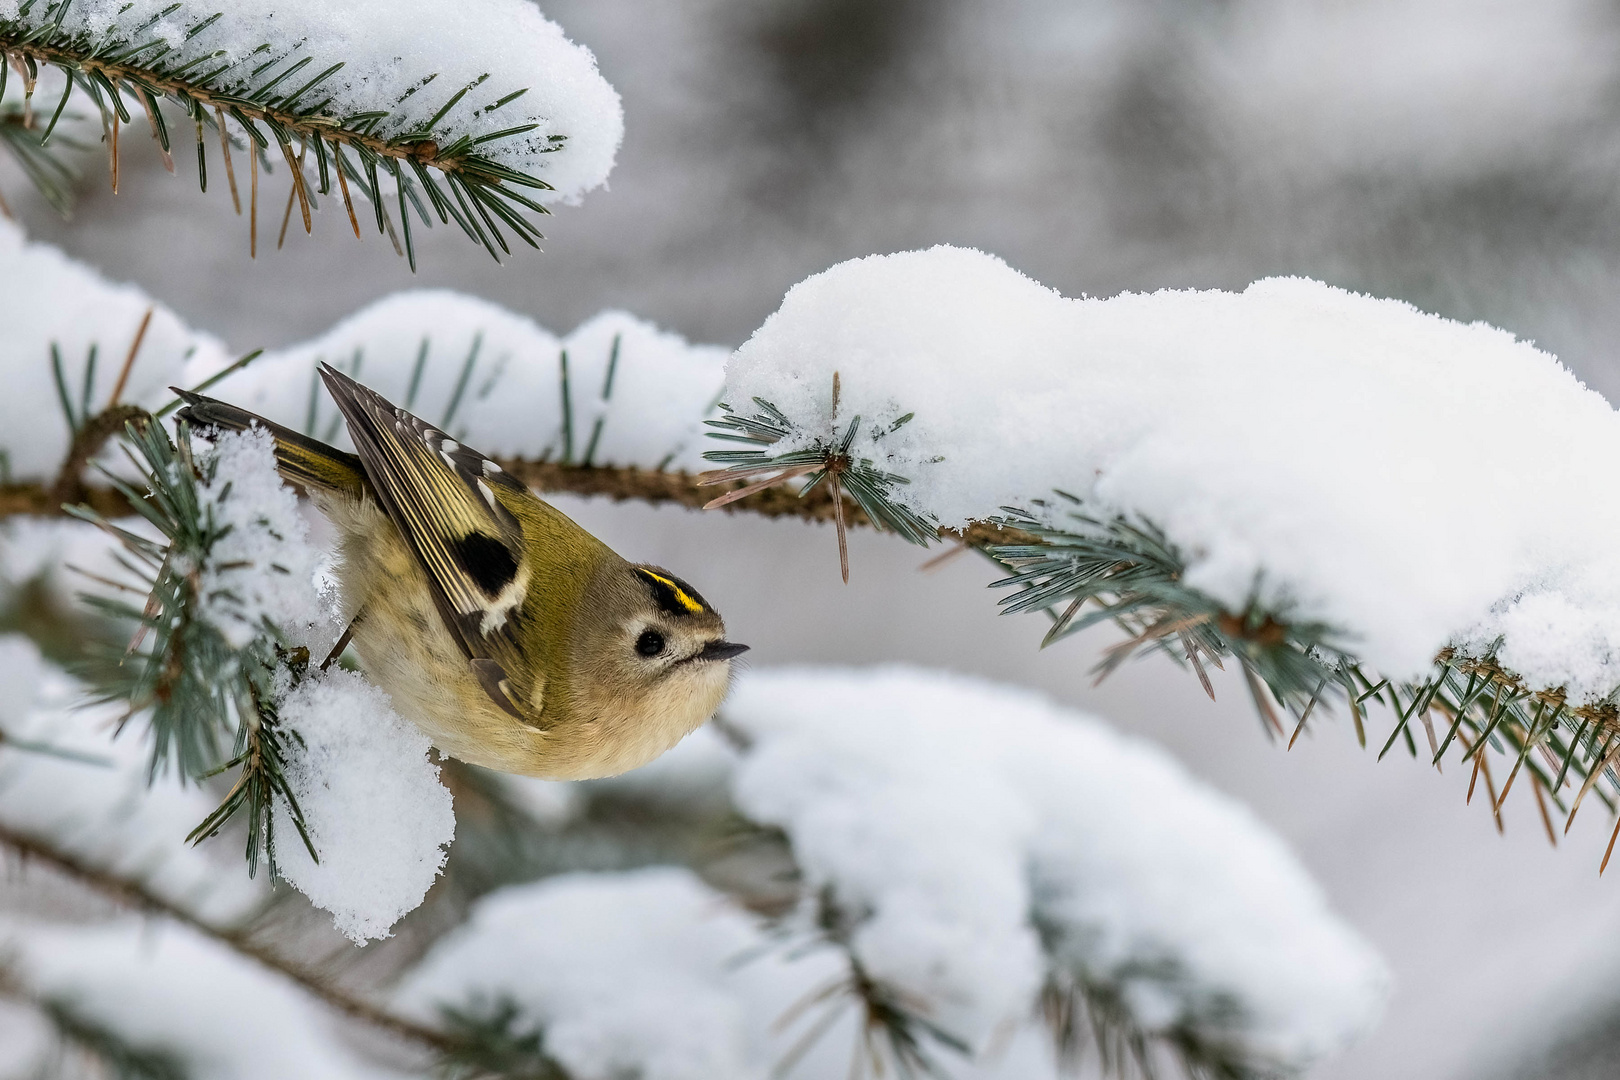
(1409, 480)
(648, 974)
(263, 568)
(983, 839)
(406, 58)
(961, 815)
(45, 298)
(164, 987)
(494, 379)
(98, 807)
(372, 801)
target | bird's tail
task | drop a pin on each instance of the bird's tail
(306, 462)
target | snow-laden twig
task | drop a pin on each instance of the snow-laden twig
(488, 95)
(232, 616)
(617, 391)
(984, 880)
(68, 333)
(1353, 498)
(989, 844)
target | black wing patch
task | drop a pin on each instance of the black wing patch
(486, 560)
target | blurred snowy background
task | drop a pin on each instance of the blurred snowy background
(1460, 154)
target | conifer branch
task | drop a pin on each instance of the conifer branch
(136, 897)
(278, 101)
(195, 684)
(620, 484)
(114, 1056)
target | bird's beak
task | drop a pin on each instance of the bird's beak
(720, 650)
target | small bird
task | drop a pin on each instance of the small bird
(514, 638)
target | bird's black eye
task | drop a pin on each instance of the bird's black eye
(650, 643)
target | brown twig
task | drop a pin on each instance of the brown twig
(134, 895)
(87, 443)
(618, 484)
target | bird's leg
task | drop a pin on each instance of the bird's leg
(343, 641)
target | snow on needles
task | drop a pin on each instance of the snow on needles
(1411, 481)
(406, 59)
(262, 569)
(47, 298)
(646, 974)
(970, 819)
(637, 395)
(372, 801)
(982, 844)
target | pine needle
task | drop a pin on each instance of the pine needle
(761, 485)
(1611, 750)
(225, 147)
(838, 522)
(253, 207)
(343, 185)
(1272, 726)
(1490, 786)
(296, 167)
(115, 126)
(1541, 805)
(1190, 646)
(129, 358)
(151, 118)
(950, 554)
(1434, 747)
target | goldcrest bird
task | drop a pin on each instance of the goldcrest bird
(514, 638)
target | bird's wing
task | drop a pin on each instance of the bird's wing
(441, 496)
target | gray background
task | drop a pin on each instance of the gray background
(1459, 155)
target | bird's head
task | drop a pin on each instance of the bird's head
(650, 657)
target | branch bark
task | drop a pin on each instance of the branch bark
(136, 896)
(425, 151)
(616, 483)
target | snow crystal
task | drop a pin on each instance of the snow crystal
(96, 805)
(389, 51)
(637, 395)
(961, 815)
(47, 298)
(263, 567)
(629, 974)
(165, 987)
(1402, 477)
(372, 801)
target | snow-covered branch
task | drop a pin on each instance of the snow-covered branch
(1355, 499)
(490, 96)
(76, 800)
(981, 878)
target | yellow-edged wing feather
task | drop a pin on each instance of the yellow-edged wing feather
(441, 496)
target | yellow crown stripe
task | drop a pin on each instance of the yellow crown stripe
(680, 594)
